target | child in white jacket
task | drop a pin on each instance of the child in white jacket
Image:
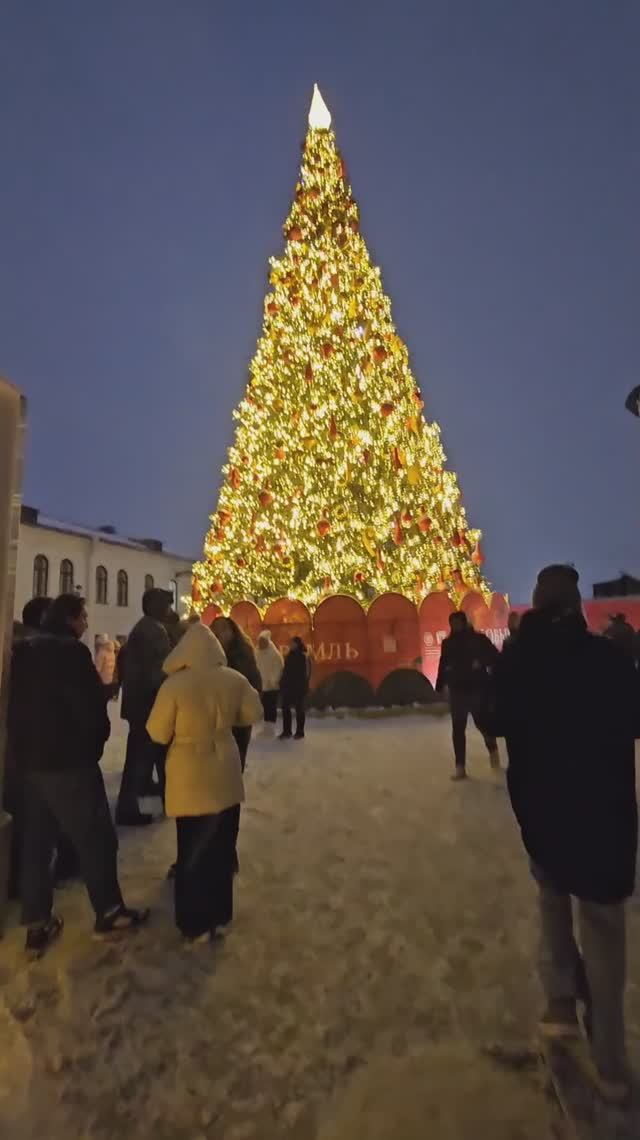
(270, 663)
(194, 712)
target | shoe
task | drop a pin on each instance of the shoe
(494, 760)
(299, 736)
(459, 774)
(133, 819)
(122, 920)
(171, 873)
(199, 940)
(284, 736)
(559, 1021)
(41, 937)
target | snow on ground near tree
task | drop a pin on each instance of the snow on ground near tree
(385, 932)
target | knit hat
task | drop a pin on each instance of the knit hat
(557, 589)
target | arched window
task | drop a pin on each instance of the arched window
(102, 585)
(40, 576)
(148, 582)
(66, 576)
(123, 588)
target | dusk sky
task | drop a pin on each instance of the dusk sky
(149, 154)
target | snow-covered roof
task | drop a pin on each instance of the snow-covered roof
(31, 516)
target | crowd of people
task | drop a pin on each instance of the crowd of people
(190, 695)
(566, 702)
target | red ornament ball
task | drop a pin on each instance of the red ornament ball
(387, 408)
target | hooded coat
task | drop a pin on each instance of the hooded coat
(567, 702)
(194, 712)
(270, 664)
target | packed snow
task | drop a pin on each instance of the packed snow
(384, 936)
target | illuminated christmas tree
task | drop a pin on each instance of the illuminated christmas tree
(335, 482)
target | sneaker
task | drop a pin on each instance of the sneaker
(41, 937)
(459, 774)
(299, 736)
(284, 736)
(559, 1020)
(120, 921)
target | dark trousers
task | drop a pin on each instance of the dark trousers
(204, 871)
(141, 757)
(463, 705)
(300, 718)
(73, 803)
(270, 706)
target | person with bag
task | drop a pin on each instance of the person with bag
(194, 714)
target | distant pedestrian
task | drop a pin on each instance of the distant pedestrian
(58, 726)
(240, 656)
(147, 647)
(294, 687)
(567, 702)
(622, 634)
(466, 663)
(194, 714)
(270, 664)
(105, 661)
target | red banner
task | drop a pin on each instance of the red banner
(394, 636)
(340, 638)
(434, 627)
(287, 618)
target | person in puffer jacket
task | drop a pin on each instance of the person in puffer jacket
(194, 713)
(270, 663)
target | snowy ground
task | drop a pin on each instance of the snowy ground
(385, 932)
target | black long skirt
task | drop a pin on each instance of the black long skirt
(204, 871)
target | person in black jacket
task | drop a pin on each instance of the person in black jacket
(466, 662)
(58, 727)
(294, 686)
(567, 702)
(141, 676)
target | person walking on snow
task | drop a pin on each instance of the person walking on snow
(142, 675)
(270, 664)
(466, 662)
(568, 703)
(194, 714)
(58, 727)
(294, 686)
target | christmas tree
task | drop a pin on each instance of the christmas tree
(335, 482)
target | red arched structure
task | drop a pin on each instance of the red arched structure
(247, 615)
(340, 640)
(433, 618)
(394, 636)
(287, 618)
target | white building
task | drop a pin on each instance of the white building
(109, 570)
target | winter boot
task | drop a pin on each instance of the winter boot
(42, 936)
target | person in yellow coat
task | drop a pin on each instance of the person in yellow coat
(194, 713)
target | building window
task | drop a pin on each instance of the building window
(148, 582)
(66, 576)
(123, 588)
(40, 576)
(102, 585)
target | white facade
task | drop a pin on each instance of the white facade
(91, 553)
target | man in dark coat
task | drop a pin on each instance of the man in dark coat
(294, 686)
(567, 702)
(147, 648)
(466, 662)
(58, 726)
